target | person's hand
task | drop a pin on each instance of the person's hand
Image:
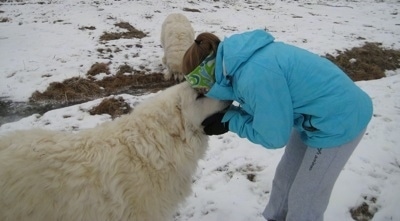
(214, 126)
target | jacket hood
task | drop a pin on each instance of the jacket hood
(232, 52)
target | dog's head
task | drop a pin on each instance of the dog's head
(172, 122)
(180, 110)
(196, 107)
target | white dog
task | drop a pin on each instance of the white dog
(137, 167)
(177, 35)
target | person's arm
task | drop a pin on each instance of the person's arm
(269, 98)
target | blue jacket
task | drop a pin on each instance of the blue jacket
(279, 86)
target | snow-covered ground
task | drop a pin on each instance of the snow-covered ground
(47, 42)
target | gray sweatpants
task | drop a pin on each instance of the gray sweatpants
(304, 180)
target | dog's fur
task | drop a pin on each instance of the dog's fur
(137, 167)
(177, 35)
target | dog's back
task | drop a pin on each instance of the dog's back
(177, 34)
(137, 167)
(48, 175)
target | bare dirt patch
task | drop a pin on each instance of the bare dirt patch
(367, 62)
(360, 63)
(3, 20)
(87, 28)
(190, 10)
(365, 211)
(123, 69)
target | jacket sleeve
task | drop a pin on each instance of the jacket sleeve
(266, 116)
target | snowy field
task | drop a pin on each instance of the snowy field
(48, 41)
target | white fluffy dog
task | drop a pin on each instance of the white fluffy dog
(137, 167)
(177, 35)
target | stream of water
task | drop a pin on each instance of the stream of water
(13, 111)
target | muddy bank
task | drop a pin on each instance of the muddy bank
(361, 63)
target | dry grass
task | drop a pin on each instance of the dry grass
(367, 62)
(125, 69)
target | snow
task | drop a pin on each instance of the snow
(42, 43)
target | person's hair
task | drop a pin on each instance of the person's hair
(205, 44)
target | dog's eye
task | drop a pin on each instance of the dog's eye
(200, 96)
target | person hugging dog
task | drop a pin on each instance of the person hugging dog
(288, 97)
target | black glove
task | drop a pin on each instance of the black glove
(214, 126)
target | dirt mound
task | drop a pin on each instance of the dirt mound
(366, 210)
(69, 91)
(98, 68)
(112, 106)
(77, 90)
(131, 32)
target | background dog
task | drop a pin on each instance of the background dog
(177, 35)
(137, 167)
